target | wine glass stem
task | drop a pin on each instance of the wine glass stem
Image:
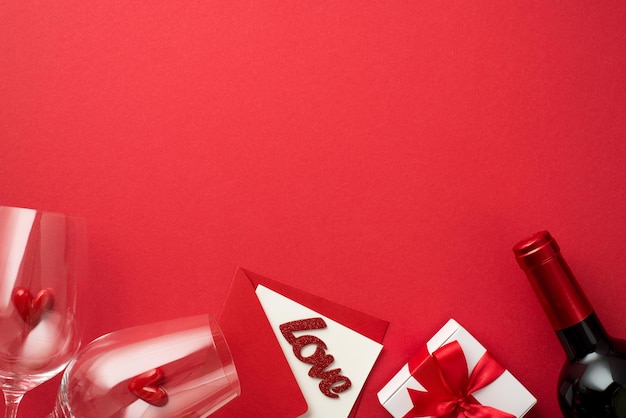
(12, 402)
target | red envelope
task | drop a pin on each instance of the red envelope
(268, 386)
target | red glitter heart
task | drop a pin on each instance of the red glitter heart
(30, 308)
(146, 387)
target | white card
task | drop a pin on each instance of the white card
(353, 353)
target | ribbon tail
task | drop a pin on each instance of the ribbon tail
(481, 411)
(429, 404)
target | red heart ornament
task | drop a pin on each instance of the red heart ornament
(30, 308)
(146, 387)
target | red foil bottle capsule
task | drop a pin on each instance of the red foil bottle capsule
(554, 284)
(592, 382)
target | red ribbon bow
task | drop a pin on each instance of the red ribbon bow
(449, 388)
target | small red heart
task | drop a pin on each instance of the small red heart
(30, 308)
(146, 387)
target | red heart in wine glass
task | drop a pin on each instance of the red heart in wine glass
(146, 387)
(30, 308)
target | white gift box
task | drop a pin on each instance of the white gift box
(505, 393)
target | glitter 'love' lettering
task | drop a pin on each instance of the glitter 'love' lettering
(332, 381)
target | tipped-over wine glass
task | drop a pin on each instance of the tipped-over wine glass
(180, 368)
(42, 257)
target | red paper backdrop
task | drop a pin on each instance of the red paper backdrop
(385, 155)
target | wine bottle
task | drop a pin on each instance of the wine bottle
(592, 382)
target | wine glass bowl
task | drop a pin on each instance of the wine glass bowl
(177, 368)
(43, 255)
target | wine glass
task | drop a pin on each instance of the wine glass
(180, 368)
(42, 257)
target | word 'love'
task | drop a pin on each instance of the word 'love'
(332, 382)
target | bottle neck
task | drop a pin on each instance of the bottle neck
(570, 313)
(583, 338)
(558, 292)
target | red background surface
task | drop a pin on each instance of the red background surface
(385, 156)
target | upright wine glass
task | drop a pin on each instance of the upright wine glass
(42, 256)
(180, 368)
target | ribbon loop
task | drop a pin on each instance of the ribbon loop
(449, 386)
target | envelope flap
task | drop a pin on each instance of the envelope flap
(365, 324)
(267, 382)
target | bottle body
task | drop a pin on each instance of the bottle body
(592, 381)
